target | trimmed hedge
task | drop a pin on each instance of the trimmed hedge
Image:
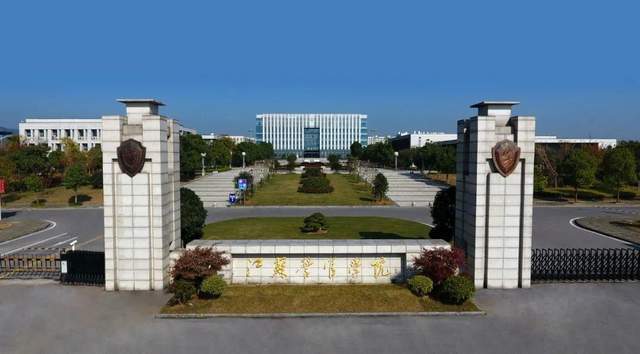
(456, 289)
(314, 223)
(182, 291)
(315, 185)
(212, 287)
(420, 285)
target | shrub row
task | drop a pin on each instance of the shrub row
(196, 272)
(438, 271)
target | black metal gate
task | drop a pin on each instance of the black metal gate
(82, 267)
(584, 264)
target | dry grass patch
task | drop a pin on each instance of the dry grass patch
(257, 299)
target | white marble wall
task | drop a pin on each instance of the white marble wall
(141, 213)
(494, 213)
(318, 261)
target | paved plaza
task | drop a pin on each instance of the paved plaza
(554, 318)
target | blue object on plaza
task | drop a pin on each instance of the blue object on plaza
(242, 184)
(232, 198)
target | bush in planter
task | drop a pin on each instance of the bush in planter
(212, 287)
(420, 285)
(315, 185)
(315, 222)
(192, 216)
(182, 291)
(197, 264)
(439, 264)
(312, 171)
(456, 289)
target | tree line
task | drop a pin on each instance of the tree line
(610, 169)
(220, 154)
(35, 167)
(430, 157)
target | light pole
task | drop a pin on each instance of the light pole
(243, 154)
(203, 154)
(230, 157)
(395, 153)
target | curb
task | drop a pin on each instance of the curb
(195, 316)
(52, 208)
(321, 207)
(576, 222)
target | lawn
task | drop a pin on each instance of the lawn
(283, 190)
(261, 299)
(14, 229)
(54, 197)
(339, 228)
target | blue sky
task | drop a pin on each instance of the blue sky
(410, 65)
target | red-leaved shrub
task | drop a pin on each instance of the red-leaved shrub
(439, 264)
(197, 264)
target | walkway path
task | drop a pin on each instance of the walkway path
(407, 189)
(213, 189)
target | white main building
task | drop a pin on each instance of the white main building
(311, 134)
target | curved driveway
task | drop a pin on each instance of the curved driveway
(551, 227)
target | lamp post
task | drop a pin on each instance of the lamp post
(230, 157)
(203, 154)
(243, 155)
(395, 153)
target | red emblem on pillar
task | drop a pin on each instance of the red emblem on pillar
(131, 156)
(506, 155)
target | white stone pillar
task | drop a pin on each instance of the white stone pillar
(494, 195)
(141, 203)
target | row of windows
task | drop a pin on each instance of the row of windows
(55, 134)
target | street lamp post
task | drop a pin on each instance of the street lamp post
(203, 154)
(230, 158)
(395, 153)
(243, 154)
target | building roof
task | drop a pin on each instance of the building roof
(494, 103)
(140, 100)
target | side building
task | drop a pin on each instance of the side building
(86, 132)
(311, 135)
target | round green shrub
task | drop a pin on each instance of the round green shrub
(315, 222)
(456, 289)
(213, 287)
(315, 185)
(183, 291)
(420, 285)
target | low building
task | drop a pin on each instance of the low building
(417, 139)
(237, 139)
(553, 141)
(86, 132)
(374, 139)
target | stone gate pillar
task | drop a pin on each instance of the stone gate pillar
(141, 176)
(494, 195)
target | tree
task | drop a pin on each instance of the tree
(34, 184)
(539, 179)
(191, 146)
(74, 177)
(634, 146)
(619, 168)
(356, 149)
(219, 153)
(315, 222)
(192, 216)
(444, 214)
(72, 153)
(579, 170)
(334, 162)
(57, 160)
(379, 153)
(380, 186)
(291, 162)
(94, 160)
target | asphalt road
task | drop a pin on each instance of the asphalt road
(85, 226)
(551, 318)
(551, 227)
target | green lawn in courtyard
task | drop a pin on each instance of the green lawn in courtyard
(283, 190)
(54, 197)
(259, 299)
(339, 228)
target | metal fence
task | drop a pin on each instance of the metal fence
(583, 264)
(82, 267)
(31, 263)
